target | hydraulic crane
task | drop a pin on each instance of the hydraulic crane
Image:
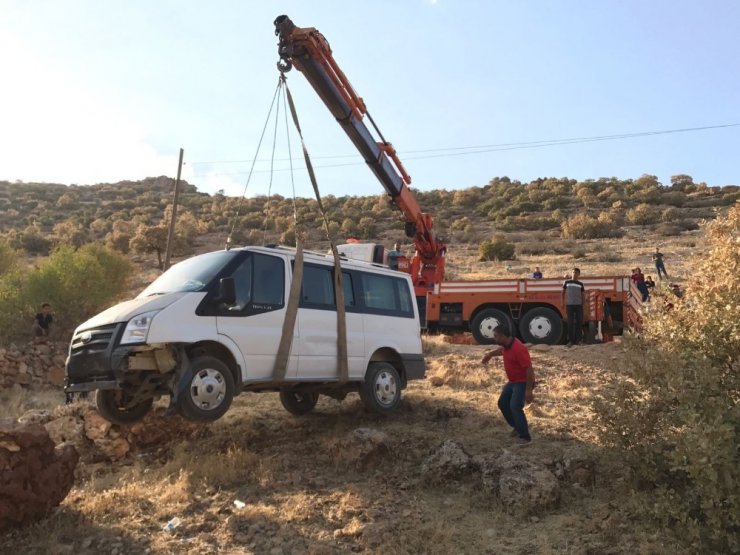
(307, 50)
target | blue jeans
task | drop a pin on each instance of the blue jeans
(511, 404)
(659, 266)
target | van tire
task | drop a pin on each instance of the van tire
(381, 390)
(541, 325)
(108, 403)
(484, 322)
(298, 402)
(211, 382)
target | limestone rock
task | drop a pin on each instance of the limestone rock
(447, 462)
(35, 416)
(522, 486)
(66, 428)
(34, 475)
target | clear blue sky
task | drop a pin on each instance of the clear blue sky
(104, 91)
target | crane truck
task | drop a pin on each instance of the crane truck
(533, 307)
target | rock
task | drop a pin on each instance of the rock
(113, 449)
(436, 381)
(35, 416)
(362, 446)
(55, 375)
(576, 469)
(157, 429)
(66, 428)
(522, 486)
(34, 475)
(96, 427)
(449, 461)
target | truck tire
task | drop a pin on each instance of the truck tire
(210, 391)
(484, 323)
(541, 325)
(109, 403)
(381, 390)
(298, 402)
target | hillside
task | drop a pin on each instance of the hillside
(129, 215)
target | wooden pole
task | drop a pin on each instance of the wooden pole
(171, 232)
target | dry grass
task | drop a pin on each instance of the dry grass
(300, 497)
(15, 401)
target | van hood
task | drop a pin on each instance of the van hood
(123, 312)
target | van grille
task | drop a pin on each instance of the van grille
(93, 340)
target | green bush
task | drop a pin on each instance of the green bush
(642, 214)
(675, 415)
(77, 283)
(498, 248)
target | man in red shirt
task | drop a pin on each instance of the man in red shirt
(519, 389)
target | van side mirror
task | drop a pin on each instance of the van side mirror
(227, 291)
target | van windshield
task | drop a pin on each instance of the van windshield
(189, 275)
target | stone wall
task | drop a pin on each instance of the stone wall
(33, 364)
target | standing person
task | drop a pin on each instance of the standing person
(42, 324)
(537, 274)
(573, 296)
(519, 390)
(639, 278)
(658, 258)
(394, 255)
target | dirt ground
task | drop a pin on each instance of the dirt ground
(299, 491)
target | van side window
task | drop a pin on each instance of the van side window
(386, 295)
(269, 281)
(242, 285)
(349, 294)
(318, 287)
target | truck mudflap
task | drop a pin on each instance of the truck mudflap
(415, 366)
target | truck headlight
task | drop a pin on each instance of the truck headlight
(137, 328)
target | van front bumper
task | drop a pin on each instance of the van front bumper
(94, 360)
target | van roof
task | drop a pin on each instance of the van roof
(322, 257)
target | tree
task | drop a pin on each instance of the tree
(150, 239)
(497, 248)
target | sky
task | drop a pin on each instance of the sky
(95, 92)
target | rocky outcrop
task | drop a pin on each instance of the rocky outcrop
(35, 476)
(361, 447)
(33, 364)
(522, 486)
(98, 440)
(447, 462)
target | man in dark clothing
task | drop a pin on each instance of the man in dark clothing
(394, 255)
(42, 323)
(658, 258)
(537, 274)
(639, 278)
(649, 283)
(519, 389)
(573, 297)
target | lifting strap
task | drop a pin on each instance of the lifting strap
(281, 361)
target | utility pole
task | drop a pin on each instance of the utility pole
(171, 232)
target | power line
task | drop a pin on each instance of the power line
(476, 148)
(483, 149)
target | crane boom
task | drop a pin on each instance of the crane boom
(307, 50)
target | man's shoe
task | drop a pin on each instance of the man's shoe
(523, 441)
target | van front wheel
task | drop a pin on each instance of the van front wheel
(209, 392)
(381, 390)
(298, 403)
(112, 404)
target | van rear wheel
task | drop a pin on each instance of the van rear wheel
(298, 402)
(381, 390)
(112, 405)
(209, 392)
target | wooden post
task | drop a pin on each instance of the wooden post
(171, 232)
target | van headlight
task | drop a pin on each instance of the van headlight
(137, 328)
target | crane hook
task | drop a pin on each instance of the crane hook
(284, 66)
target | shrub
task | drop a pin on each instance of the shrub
(76, 283)
(642, 214)
(582, 226)
(497, 248)
(670, 215)
(579, 253)
(674, 417)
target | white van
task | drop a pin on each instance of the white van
(209, 328)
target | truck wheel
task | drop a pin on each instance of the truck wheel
(486, 321)
(111, 406)
(298, 402)
(541, 325)
(381, 390)
(210, 391)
